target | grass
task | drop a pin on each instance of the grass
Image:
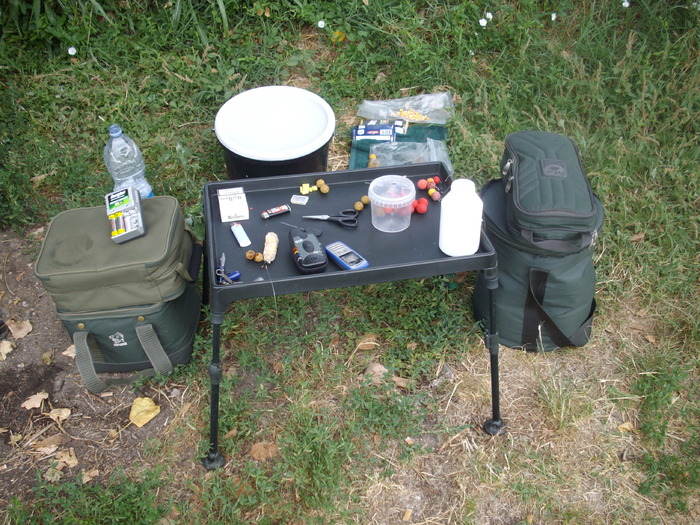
(622, 82)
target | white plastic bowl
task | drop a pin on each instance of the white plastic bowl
(275, 130)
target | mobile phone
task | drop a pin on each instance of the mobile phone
(346, 257)
(307, 252)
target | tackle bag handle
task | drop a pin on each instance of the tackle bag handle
(585, 240)
(535, 313)
(87, 351)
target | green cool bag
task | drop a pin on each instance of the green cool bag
(128, 307)
(543, 220)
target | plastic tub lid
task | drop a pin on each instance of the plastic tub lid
(274, 123)
(392, 191)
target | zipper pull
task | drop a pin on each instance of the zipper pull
(594, 239)
(506, 167)
(504, 172)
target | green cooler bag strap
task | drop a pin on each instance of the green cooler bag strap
(153, 349)
(535, 313)
(87, 351)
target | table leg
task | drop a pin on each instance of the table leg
(214, 458)
(495, 425)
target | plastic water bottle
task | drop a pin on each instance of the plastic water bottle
(125, 163)
(460, 219)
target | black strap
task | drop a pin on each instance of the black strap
(536, 318)
(584, 240)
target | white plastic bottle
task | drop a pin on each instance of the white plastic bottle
(460, 219)
(125, 163)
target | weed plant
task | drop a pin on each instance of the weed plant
(623, 82)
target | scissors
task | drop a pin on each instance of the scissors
(346, 218)
(226, 278)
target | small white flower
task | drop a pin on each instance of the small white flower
(471, 53)
(483, 22)
(554, 17)
(72, 51)
(321, 24)
(489, 16)
(625, 4)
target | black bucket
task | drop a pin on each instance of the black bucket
(275, 130)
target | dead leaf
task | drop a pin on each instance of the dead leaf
(15, 438)
(264, 450)
(19, 329)
(5, 348)
(143, 410)
(376, 372)
(56, 440)
(368, 342)
(69, 352)
(67, 457)
(650, 338)
(402, 383)
(35, 401)
(626, 427)
(47, 357)
(19, 277)
(53, 474)
(59, 414)
(47, 451)
(637, 237)
(231, 433)
(86, 476)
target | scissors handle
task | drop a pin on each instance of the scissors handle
(347, 222)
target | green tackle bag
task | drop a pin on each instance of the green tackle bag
(543, 220)
(128, 307)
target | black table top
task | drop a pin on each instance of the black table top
(412, 253)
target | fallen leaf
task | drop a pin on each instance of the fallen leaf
(19, 277)
(376, 372)
(67, 457)
(47, 357)
(143, 410)
(231, 433)
(650, 338)
(56, 440)
(626, 427)
(69, 352)
(5, 348)
(35, 401)
(368, 342)
(19, 329)
(3, 430)
(86, 476)
(59, 414)
(47, 451)
(637, 237)
(15, 438)
(264, 450)
(406, 384)
(53, 474)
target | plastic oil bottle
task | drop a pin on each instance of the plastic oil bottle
(460, 219)
(125, 163)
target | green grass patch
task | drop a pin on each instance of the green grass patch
(123, 499)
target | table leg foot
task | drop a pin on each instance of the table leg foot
(495, 427)
(213, 461)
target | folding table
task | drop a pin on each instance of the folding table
(411, 254)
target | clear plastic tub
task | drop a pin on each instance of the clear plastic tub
(392, 198)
